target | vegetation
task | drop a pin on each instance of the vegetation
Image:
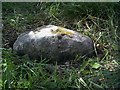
(97, 20)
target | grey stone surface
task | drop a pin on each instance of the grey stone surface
(54, 43)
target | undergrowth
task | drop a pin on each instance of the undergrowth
(97, 20)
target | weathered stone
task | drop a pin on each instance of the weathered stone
(54, 43)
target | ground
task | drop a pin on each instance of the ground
(97, 20)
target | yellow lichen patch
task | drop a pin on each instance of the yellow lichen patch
(62, 30)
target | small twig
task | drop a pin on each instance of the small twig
(87, 25)
(57, 18)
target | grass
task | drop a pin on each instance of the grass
(97, 20)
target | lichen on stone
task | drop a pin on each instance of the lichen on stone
(62, 30)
